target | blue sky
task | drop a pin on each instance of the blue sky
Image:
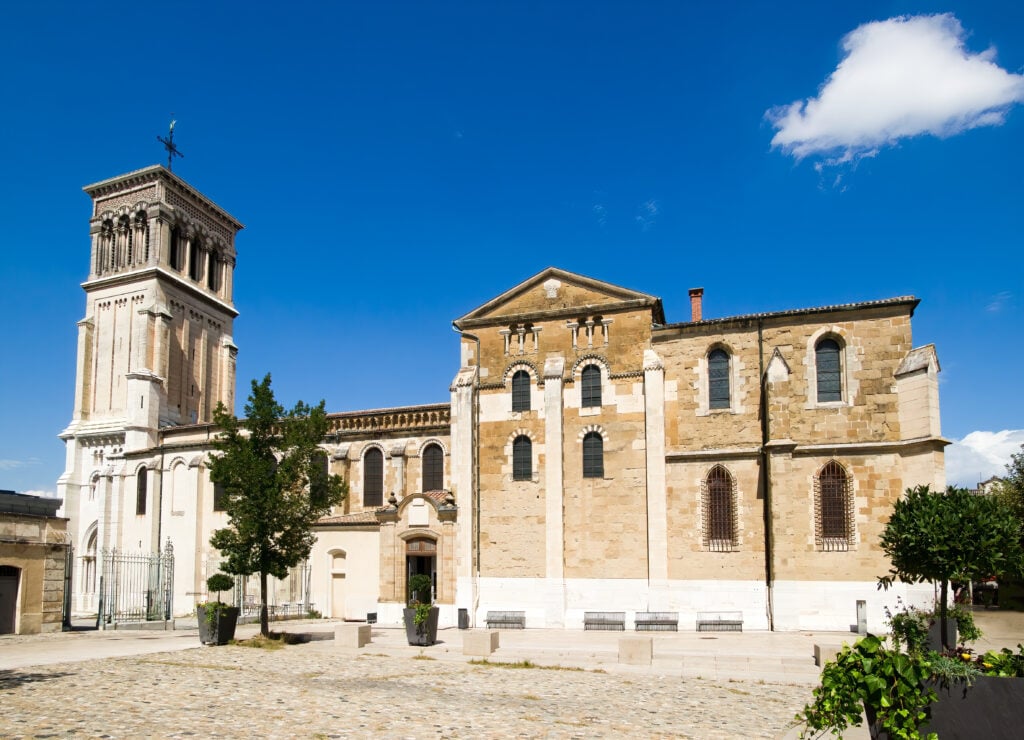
(398, 164)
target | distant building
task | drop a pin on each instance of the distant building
(593, 455)
(33, 550)
(987, 487)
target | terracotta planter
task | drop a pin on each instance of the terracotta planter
(420, 634)
(219, 630)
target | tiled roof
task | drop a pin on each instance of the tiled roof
(360, 517)
(799, 311)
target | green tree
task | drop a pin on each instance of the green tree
(953, 536)
(276, 486)
(1011, 488)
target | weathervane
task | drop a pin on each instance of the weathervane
(172, 150)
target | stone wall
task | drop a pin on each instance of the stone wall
(37, 546)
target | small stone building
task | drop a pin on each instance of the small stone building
(33, 549)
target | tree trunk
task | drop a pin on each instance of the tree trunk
(943, 606)
(264, 622)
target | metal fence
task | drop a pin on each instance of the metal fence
(288, 597)
(136, 587)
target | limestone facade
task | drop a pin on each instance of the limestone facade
(33, 550)
(592, 456)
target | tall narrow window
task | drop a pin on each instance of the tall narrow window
(373, 478)
(828, 364)
(718, 379)
(433, 468)
(195, 265)
(320, 471)
(834, 507)
(174, 253)
(719, 510)
(521, 391)
(212, 272)
(140, 492)
(591, 386)
(593, 455)
(522, 458)
(220, 497)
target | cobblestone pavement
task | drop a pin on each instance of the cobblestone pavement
(316, 690)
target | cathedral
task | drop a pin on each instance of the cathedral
(594, 455)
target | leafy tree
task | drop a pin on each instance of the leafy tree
(952, 536)
(1011, 487)
(275, 483)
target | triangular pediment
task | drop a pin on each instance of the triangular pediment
(554, 292)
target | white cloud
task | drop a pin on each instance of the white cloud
(648, 212)
(999, 301)
(44, 494)
(901, 77)
(980, 455)
(14, 464)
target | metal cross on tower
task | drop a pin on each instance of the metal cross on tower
(172, 150)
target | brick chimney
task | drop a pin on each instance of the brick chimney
(696, 295)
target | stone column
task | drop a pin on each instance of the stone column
(463, 463)
(83, 368)
(657, 503)
(554, 494)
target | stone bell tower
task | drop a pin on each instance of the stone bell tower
(155, 346)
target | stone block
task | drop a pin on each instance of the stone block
(824, 653)
(479, 643)
(636, 650)
(352, 635)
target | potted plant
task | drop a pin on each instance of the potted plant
(216, 619)
(419, 615)
(919, 695)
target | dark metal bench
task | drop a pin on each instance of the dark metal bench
(506, 620)
(657, 621)
(604, 621)
(719, 621)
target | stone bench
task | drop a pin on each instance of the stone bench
(719, 621)
(506, 620)
(604, 621)
(352, 635)
(657, 621)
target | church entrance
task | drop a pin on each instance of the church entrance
(421, 559)
(9, 577)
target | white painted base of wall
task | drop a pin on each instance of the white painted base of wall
(798, 605)
(832, 605)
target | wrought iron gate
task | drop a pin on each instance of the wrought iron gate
(136, 587)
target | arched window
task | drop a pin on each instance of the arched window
(140, 492)
(174, 253)
(718, 379)
(593, 455)
(834, 507)
(212, 272)
(142, 233)
(195, 266)
(373, 477)
(433, 468)
(125, 251)
(522, 458)
(719, 510)
(590, 381)
(521, 391)
(829, 369)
